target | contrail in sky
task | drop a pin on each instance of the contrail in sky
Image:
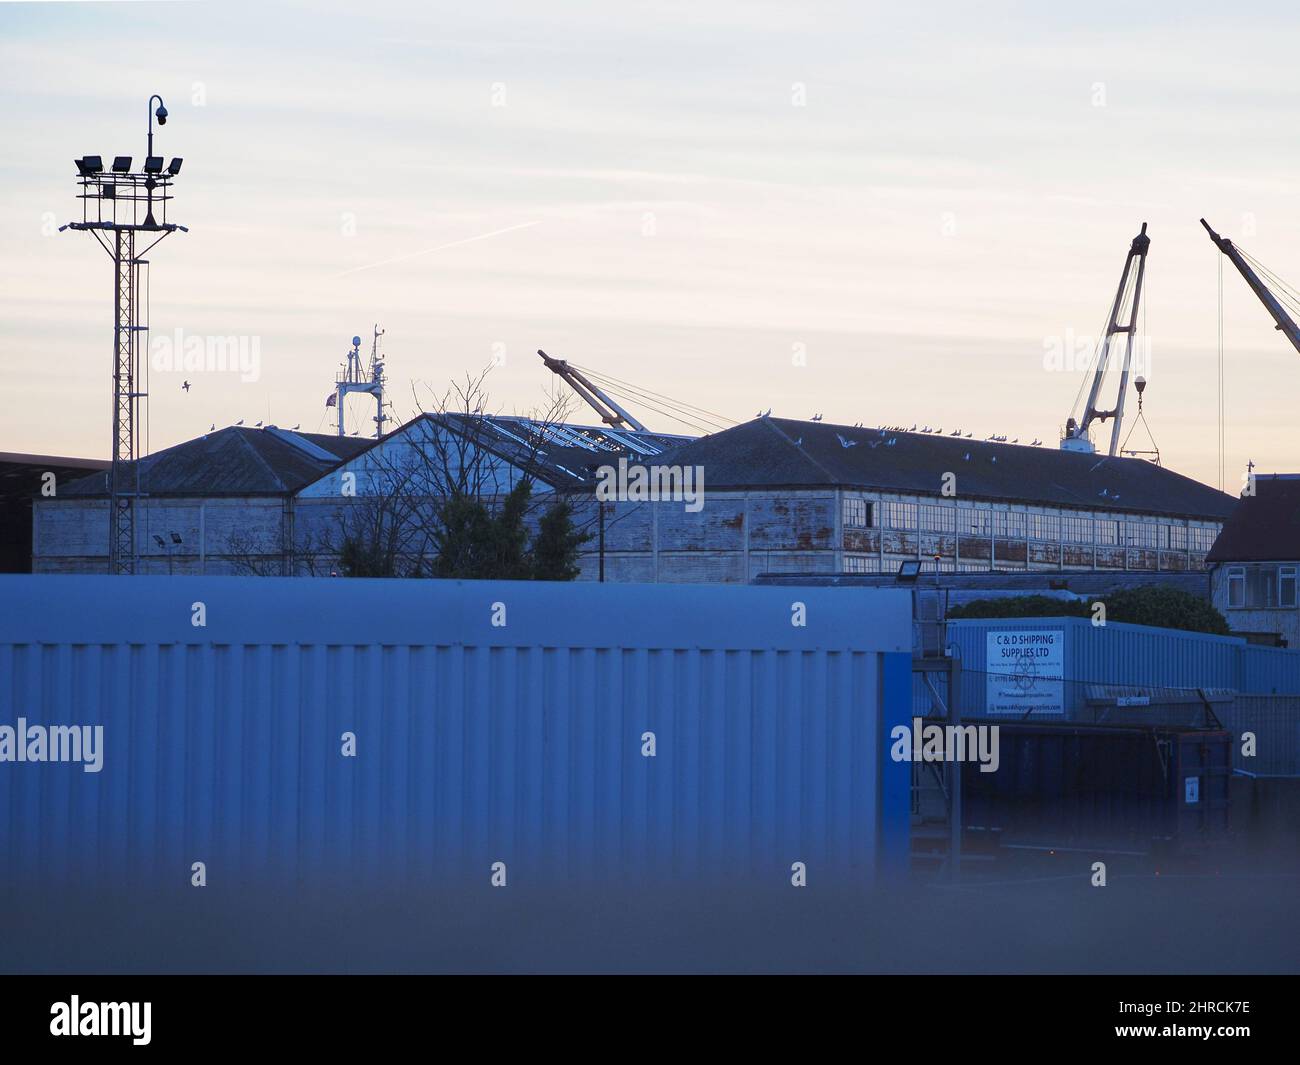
(440, 247)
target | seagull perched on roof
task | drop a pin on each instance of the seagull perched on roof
(295, 428)
(240, 422)
(1035, 442)
(816, 417)
(212, 428)
(258, 425)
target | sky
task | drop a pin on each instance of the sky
(878, 213)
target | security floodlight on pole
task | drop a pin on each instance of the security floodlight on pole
(122, 203)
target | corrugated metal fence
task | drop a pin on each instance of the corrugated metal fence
(491, 722)
(1114, 653)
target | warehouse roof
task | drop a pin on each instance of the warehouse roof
(1264, 527)
(235, 461)
(560, 454)
(777, 452)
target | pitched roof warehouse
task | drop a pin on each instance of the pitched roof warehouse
(778, 452)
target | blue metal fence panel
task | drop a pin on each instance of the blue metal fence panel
(1115, 653)
(493, 722)
(1270, 670)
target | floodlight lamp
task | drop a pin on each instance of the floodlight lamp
(122, 164)
(909, 570)
(153, 164)
(91, 164)
(174, 167)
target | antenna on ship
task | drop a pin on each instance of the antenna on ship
(354, 379)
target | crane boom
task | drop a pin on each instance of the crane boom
(610, 412)
(1284, 321)
(1076, 436)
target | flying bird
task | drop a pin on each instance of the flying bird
(186, 386)
(845, 443)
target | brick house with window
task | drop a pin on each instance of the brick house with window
(1255, 561)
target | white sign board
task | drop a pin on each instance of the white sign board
(1025, 671)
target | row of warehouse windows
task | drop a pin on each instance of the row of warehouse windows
(1261, 587)
(1017, 525)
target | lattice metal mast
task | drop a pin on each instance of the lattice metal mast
(116, 208)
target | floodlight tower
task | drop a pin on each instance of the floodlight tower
(115, 208)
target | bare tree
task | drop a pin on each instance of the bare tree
(393, 522)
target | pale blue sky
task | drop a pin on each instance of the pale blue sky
(950, 198)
